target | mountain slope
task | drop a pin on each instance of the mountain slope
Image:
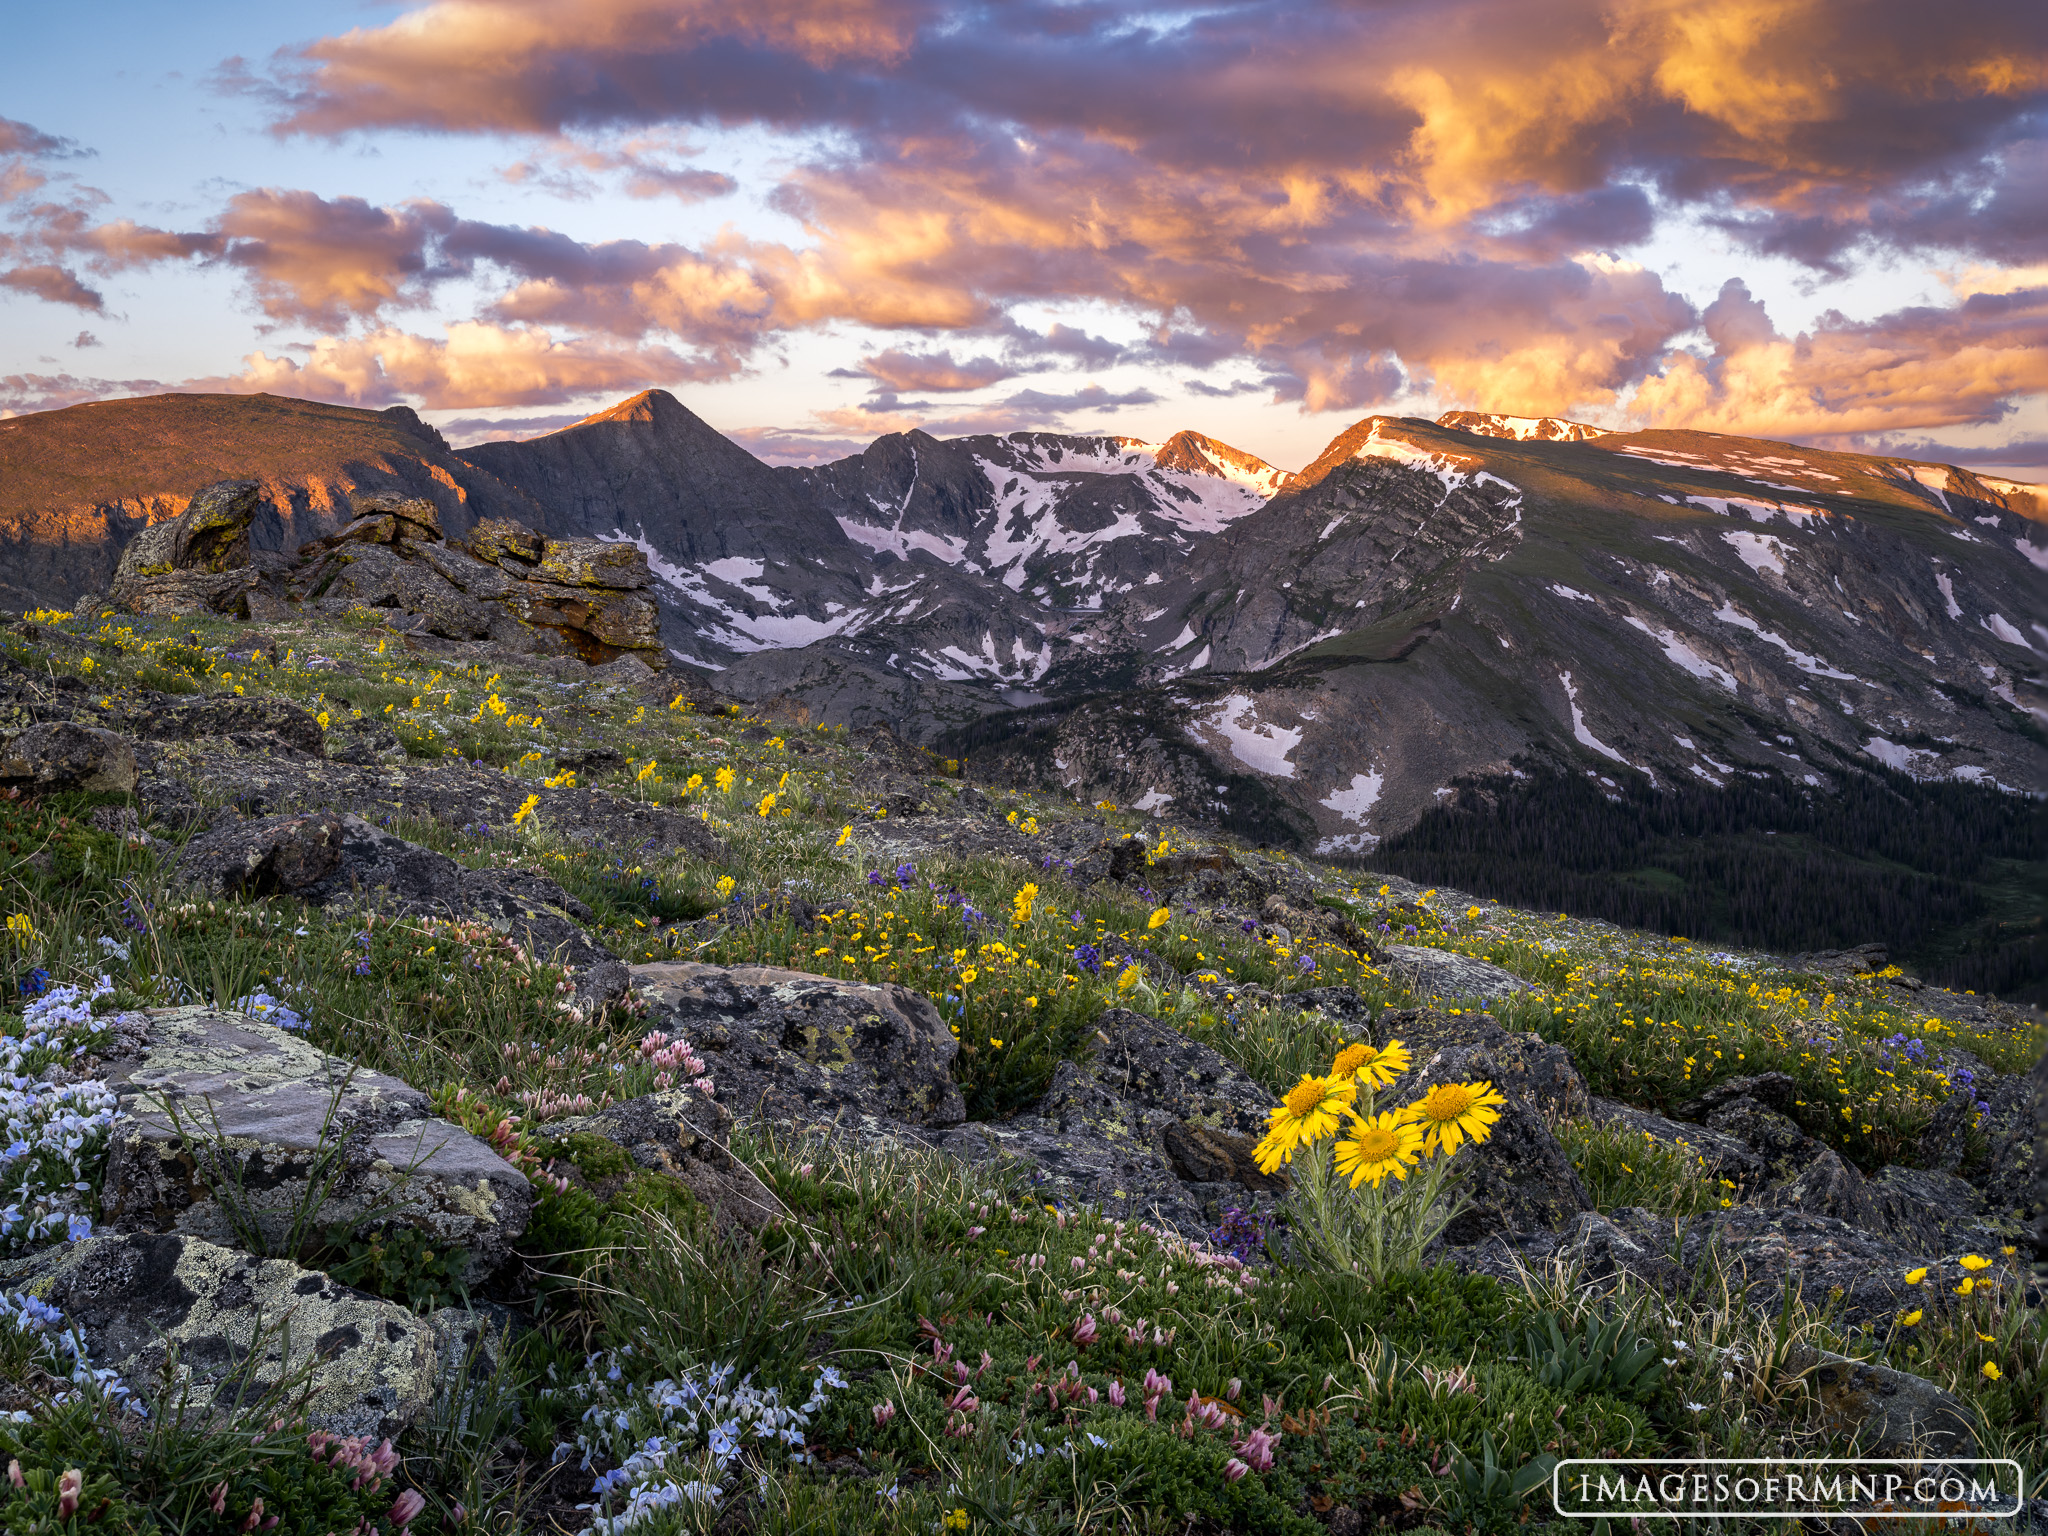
(77, 484)
(1424, 606)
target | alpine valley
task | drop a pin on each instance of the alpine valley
(1593, 655)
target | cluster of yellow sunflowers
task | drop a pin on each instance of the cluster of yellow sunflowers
(1376, 1146)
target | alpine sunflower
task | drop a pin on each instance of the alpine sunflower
(1382, 1145)
(1450, 1112)
(1375, 1067)
(1312, 1110)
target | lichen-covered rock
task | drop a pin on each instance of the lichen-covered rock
(595, 563)
(321, 858)
(421, 514)
(229, 1122)
(197, 719)
(1150, 1124)
(598, 623)
(1827, 1186)
(1443, 976)
(233, 1320)
(809, 1049)
(495, 539)
(1719, 1154)
(1926, 1209)
(1885, 1413)
(61, 755)
(195, 562)
(1519, 1179)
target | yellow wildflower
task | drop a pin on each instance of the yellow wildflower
(1975, 1261)
(1915, 1276)
(525, 810)
(1312, 1110)
(1159, 919)
(1450, 1112)
(1912, 1318)
(1022, 902)
(723, 779)
(1373, 1067)
(1991, 1371)
(967, 976)
(845, 833)
(1383, 1145)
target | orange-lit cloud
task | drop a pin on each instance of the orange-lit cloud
(477, 364)
(1351, 203)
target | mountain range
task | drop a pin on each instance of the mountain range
(1326, 656)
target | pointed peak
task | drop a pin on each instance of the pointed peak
(649, 405)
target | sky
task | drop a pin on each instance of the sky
(816, 221)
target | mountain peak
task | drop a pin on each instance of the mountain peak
(1550, 429)
(650, 405)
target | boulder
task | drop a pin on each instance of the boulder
(1721, 1155)
(321, 858)
(1150, 1125)
(1882, 1412)
(807, 1049)
(595, 563)
(61, 755)
(1825, 1185)
(1519, 1180)
(496, 539)
(232, 1128)
(233, 1320)
(196, 719)
(1441, 975)
(421, 516)
(196, 562)
(1924, 1208)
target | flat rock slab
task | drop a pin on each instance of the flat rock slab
(320, 857)
(1439, 974)
(1887, 1413)
(228, 1122)
(375, 1367)
(796, 1047)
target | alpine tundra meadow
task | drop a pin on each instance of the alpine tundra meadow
(685, 848)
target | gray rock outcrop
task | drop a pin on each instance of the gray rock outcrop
(237, 1321)
(321, 858)
(61, 755)
(239, 1132)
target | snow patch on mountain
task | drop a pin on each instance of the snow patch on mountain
(1522, 429)
(1683, 656)
(1759, 551)
(1580, 734)
(1354, 802)
(1260, 746)
(1728, 614)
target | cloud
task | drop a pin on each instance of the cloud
(1352, 203)
(1224, 392)
(54, 285)
(21, 393)
(1915, 368)
(85, 339)
(782, 445)
(468, 431)
(477, 364)
(646, 166)
(897, 370)
(2031, 452)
